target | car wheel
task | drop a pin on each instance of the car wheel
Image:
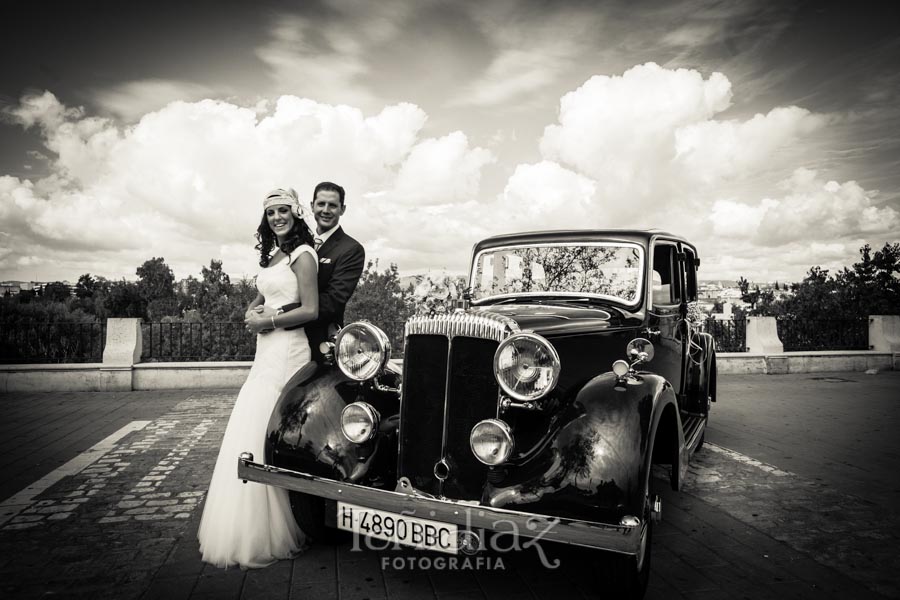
(623, 576)
(309, 512)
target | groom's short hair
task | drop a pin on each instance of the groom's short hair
(327, 186)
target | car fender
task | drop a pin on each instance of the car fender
(304, 431)
(598, 454)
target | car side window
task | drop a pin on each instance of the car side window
(665, 284)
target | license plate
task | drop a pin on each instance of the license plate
(423, 534)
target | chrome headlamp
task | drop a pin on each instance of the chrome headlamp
(491, 441)
(526, 366)
(362, 350)
(359, 421)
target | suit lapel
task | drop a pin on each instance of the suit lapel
(331, 242)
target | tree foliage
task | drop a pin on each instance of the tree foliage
(85, 286)
(56, 291)
(870, 286)
(156, 281)
(380, 299)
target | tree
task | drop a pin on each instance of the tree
(215, 284)
(872, 284)
(85, 286)
(187, 292)
(56, 291)
(380, 299)
(156, 287)
(156, 281)
(749, 296)
(124, 299)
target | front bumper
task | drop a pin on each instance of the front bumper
(624, 539)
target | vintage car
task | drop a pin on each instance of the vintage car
(536, 405)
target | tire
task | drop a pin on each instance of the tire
(309, 512)
(626, 577)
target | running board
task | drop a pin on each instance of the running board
(693, 427)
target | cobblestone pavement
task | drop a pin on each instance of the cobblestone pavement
(122, 523)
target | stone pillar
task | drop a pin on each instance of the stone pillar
(122, 352)
(762, 336)
(884, 336)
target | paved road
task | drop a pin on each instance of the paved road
(794, 496)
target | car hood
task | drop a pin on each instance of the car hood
(550, 319)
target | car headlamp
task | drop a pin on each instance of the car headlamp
(359, 421)
(491, 441)
(526, 366)
(362, 350)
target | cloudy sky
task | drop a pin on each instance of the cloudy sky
(766, 132)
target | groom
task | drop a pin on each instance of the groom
(341, 261)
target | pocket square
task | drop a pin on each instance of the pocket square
(325, 260)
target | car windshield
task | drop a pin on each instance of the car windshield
(605, 270)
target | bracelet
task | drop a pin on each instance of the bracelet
(273, 322)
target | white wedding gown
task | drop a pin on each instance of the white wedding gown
(251, 524)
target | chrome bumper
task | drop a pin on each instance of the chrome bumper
(624, 539)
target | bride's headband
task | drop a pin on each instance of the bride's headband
(286, 196)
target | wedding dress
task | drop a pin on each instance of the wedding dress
(251, 524)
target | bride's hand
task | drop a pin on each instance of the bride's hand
(259, 309)
(259, 319)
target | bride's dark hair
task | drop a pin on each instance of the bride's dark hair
(298, 235)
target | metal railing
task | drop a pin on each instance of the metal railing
(730, 334)
(179, 342)
(22, 343)
(84, 342)
(823, 334)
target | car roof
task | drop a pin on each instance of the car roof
(639, 236)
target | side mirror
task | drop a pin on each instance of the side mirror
(640, 350)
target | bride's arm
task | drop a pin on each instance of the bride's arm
(304, 269)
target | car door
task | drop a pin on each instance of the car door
(665, 327)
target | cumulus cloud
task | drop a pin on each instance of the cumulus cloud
(651, 134)
(713, 150)
(441, 171)
(185, 182)
(739, 220)
(814, 209)
(648, 148)
(813, 222)
(622, 128)
(547, 195)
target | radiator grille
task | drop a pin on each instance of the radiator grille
(487, 326)
(448, 386)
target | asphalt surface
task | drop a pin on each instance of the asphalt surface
(795, 495)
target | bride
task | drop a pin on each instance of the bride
(250, 524)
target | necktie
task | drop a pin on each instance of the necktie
(318, 242)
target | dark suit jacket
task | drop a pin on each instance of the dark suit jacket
(341, 262)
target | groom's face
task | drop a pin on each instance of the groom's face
(327, 210)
